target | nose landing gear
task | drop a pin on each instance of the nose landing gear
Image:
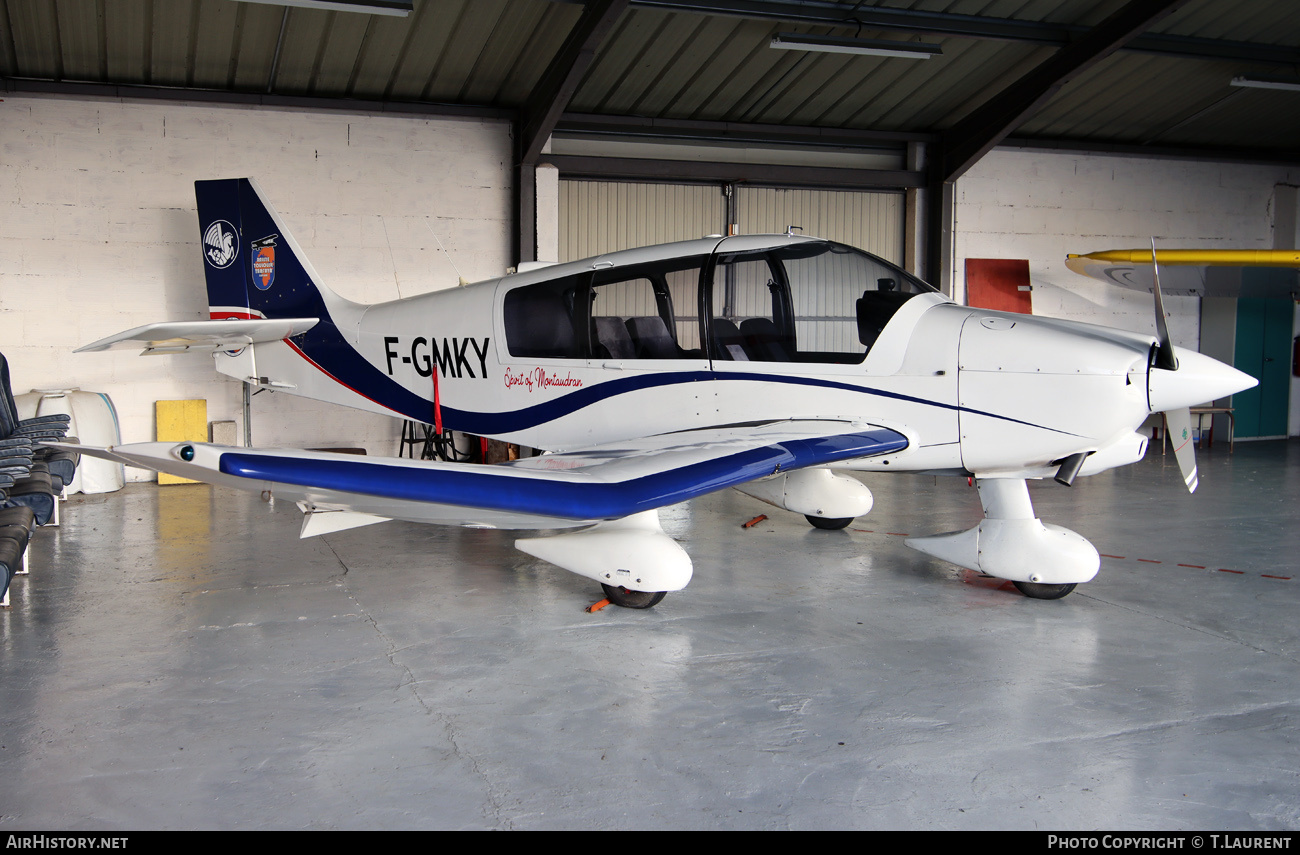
(620, 596)
(1040, 591)
(1045, 562)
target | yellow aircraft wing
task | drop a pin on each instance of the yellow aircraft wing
(1197, 272)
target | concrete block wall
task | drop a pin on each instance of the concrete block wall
(98, 234)
(1044, 205)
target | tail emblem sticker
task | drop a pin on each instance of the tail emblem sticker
(264, 262)
(220, 245)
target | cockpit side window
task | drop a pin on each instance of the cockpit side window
(747, 301)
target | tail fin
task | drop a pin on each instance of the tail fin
(254, 267)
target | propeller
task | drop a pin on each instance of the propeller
(1178, 420)
(1166, 359)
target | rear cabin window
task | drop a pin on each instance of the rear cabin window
(810, 302)
(646, 311)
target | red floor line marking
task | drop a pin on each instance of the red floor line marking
(1203, 567)
(898, 533)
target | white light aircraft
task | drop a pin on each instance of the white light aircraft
(772, 364)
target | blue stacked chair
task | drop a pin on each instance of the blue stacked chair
(24, 481)
(53, 427)
(57, 464)
(31, 478)
(16, 527)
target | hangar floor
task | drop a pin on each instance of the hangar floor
(179, 659)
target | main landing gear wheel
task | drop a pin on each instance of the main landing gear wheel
(620, 596)
(828, 524)
(1040, 591)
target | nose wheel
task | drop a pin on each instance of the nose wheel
(828, 524)
(1039, 591)
(620, 596)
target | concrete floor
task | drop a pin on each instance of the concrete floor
(180, 660)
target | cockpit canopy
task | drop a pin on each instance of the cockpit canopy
(796, 301)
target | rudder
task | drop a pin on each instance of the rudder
(253, 266)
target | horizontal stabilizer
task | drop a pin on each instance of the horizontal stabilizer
(182, 336)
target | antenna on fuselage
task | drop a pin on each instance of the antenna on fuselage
(452, 261)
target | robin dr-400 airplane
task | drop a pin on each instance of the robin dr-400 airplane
(772, 364)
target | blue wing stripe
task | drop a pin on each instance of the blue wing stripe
(498, 489)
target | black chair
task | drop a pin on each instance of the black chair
(728, 343)
(37, 428)
(875, 309)
(33, 490)
(11, 557)
(652, 339)
(36, 475)
(16, 526)
(764, 342)
(613, 337)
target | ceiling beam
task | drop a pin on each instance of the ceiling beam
(396, 8)
(823, 13)
(1283, 157)
(695, 129)
(678, 171)
(963, 144)
(183, 95)
(545, 104)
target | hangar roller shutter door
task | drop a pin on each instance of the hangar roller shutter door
(870, 221)
(603, 216)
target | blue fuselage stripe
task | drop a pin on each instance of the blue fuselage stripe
(509, 489)
(493, 424)
(327, 348)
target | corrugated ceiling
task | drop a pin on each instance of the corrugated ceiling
(700, 62)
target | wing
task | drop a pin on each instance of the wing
(1197, 272)
(552, 491)
(181, 336)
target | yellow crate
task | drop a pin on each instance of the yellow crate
(179, 421)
